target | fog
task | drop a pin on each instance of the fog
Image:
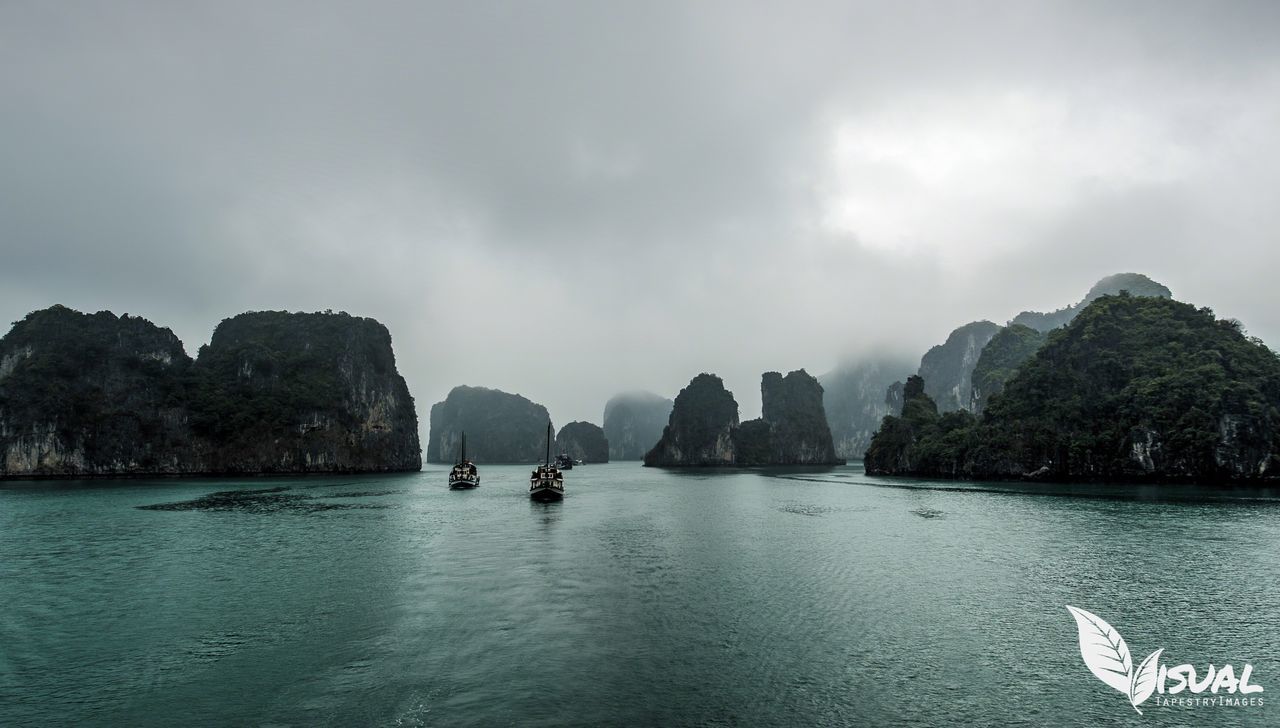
(570, 200)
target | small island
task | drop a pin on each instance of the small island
(704, 431)
(501, 428)
(583, 441)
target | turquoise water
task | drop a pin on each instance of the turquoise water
(644, 598)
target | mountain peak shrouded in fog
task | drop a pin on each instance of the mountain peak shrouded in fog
(571, 211)
(1134, 283)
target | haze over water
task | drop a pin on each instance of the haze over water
(765, 598)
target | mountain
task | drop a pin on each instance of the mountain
(854, 400)
(583, 441)
(1008, 349)
(273, 392)
(633, 423)
(1135, 284)
(500, 427)
(947, 369)
(1134, 388)
(704, 431)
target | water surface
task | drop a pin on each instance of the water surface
(645, 597)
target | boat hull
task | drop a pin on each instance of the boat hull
(545, 492)
(463, 484)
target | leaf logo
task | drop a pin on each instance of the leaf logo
(1107, 657)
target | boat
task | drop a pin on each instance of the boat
(564, 462)
(464, 473)
(547, 482)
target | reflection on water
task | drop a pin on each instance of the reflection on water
(769, 597)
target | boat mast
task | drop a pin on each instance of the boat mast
(464, 447)
(548, 461)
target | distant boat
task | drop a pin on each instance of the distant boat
(464, 473)
(564, 462)
(547, 482)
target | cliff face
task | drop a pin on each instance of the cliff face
(1008, 349)
(704, 429)
(1133, 389)
(855, 402)
(701, 426)
(294, 392)
(947, 369)
(583, 441)
(274, 392)
(93, 395)
(633, 423)
(500, 427)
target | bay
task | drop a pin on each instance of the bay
(646, 597)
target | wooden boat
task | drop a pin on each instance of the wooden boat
(547, 482)
(464, 473)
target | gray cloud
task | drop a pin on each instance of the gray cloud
(657, 188)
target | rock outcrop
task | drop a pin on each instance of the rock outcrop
(793, 426)
(500, 427)
(704, 429)
(1134, 388)
(583, 441)
(633, 423)
(855, 403)
(1008, 349)
(101, 395)
(701, 427)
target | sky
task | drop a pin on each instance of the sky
(569, 200)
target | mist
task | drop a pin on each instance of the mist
(571, 200)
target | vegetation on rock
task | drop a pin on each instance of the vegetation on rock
(273, 392)
(1135, 284)
(1008, 349)
(1133, 388)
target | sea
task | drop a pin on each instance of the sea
(776, 597)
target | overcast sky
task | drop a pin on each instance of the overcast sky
(568, 200)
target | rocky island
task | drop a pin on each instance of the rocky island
(704, 430)
(1134, 388)
(273, 392)
(583, 441)
(633, 422)
(501, 428)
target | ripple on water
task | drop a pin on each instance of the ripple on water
(927, 512)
